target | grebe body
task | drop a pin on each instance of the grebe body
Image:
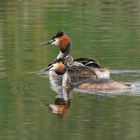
(63, 71)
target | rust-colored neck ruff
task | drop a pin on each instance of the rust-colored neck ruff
(65, 44)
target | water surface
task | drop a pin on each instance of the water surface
(106, 30)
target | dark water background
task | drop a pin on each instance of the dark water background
(108, 30)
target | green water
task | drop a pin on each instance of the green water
(108, 30)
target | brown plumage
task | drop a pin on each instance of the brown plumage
(64, 41)
(104, 84)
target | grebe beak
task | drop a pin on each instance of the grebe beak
(47, 68)
(47, 42)
(54, 41)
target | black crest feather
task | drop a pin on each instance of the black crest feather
(58, 34)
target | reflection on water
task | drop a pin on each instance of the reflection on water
(60, 106)
(107, 30)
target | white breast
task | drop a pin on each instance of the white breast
(55, 81)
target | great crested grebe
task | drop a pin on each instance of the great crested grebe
(88, 68)
(61, 69)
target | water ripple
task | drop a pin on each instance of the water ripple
(124, 71)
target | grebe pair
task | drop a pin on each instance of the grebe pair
(82, 73)
(81, 68)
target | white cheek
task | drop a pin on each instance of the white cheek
(55, 67)
(56, 42)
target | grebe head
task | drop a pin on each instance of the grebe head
(62, 41)
(58, 66)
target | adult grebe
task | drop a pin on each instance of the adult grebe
(59, 68)
(89, 68)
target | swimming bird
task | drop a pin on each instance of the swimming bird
(61, 69)
(83, 67)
